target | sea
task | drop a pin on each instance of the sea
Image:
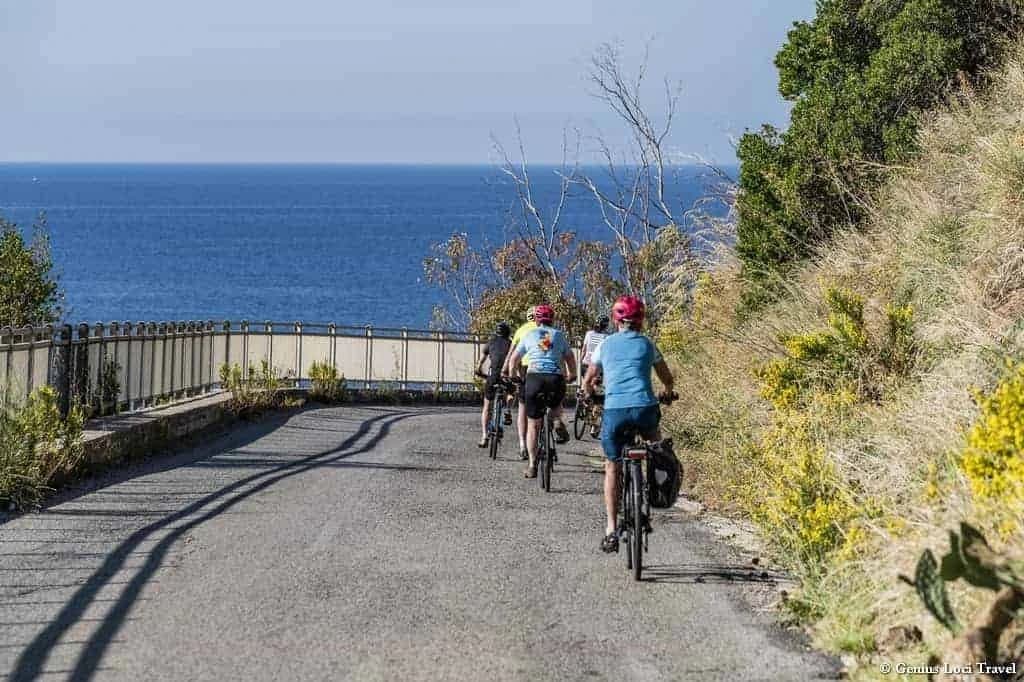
(316, 243)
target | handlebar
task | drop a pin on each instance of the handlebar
(664, 399)
(668, 398)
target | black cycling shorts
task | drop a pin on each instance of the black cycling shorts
(543, 391)
(490, 385)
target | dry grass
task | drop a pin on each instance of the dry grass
(947, 238)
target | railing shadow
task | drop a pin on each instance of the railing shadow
(709, 573)
(29, 665)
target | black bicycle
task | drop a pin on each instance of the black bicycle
(587, 415)
(635, 507)
(545, 452)
(495, 427)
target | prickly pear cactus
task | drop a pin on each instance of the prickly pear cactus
(931, 588)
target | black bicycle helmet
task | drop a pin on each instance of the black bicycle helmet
(602, 324)
(503, 330)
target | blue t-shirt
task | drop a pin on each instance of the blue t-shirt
(544, 347)
(626, 359)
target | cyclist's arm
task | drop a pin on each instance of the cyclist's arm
(485, 356)
(514, 358)
(570, 363)
(590, 381)
(664, 375)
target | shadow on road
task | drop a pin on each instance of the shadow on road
(698, 573)
(30, 663)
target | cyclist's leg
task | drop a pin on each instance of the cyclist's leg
(555, 401)
(612, 427)
(534, 406)
(485, 415)
(648, 420)
(485, 418)
(521, 417)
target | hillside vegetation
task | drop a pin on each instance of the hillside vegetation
(879, 401)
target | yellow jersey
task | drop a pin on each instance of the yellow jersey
(527, 326)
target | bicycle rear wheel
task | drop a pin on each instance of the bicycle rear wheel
(543, 455)
(636, 537)
(549, 462)
(495, 438)
(579, 419)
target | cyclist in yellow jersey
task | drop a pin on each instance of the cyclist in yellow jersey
(521, 423)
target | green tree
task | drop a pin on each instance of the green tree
(858, 74)
(29, 294)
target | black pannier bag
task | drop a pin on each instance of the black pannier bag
(664, 475)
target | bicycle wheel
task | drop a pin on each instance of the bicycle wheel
(495, 426)
(626, 507)
(549, 461)
(636, 538)
(543, 455)
(579, 420)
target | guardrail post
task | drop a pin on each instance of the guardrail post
(181, 329)
(59, 366)
(98, 332)
(442, 337)
(332, 331)
(270, 344)
(126, 331)
(193, 369)
(7, 332)
(368, 357)
(298, 352)
(142, 331)
(197, 340)
(80, 361)
(405, 358)
(227, 349)
(31, 359)
(114, 333)
(151, 333)
(244, 328)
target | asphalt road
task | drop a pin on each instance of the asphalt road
(368, 543)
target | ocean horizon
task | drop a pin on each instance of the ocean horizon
(325, 242)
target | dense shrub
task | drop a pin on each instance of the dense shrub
(327, 384)
(255, 394)
(35, 443)
(28, 290)
(841, 359)
(859, 75)
(803, 502)
(993, 459)
(510, 304)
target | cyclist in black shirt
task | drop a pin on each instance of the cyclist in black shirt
(495, 351)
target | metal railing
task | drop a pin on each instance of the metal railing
(138, 365)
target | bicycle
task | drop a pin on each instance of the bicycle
(587, 414)
(635, 509)
(546, 454)
(495, 427)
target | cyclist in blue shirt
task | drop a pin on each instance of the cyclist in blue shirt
(626, 360)
(547, 350)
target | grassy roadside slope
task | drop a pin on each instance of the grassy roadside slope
(850, 419)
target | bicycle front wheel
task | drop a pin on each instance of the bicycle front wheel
(549, 461)
(636, 537)
(495, 425)
(626, 510)
(579, 420)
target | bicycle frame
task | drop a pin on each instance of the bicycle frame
(634, 506)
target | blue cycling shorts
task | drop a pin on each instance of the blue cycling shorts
(615, 421)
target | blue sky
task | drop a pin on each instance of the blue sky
(382, 81)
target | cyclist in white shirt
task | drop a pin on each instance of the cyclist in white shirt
(592, 341)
